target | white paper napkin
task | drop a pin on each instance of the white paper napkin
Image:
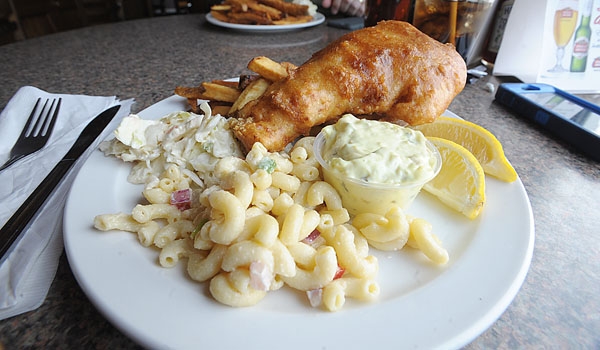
(30, 267)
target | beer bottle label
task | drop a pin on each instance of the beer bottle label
(499, 26)
(580, 47)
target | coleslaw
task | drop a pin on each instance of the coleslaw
(194, 142)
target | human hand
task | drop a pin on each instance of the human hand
(348, 7)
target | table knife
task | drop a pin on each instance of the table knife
(21, 218)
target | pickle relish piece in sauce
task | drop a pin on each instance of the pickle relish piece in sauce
(377, 152)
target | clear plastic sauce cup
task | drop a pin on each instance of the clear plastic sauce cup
(359, 196)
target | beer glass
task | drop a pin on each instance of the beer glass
(459, 22)
(565, 20)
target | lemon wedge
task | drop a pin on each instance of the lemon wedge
(482, 143)
(460, 184)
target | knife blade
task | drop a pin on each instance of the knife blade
(21, 218)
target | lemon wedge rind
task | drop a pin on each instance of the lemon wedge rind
(478, 140)
(460, 184)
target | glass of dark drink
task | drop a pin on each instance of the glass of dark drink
(379, 10)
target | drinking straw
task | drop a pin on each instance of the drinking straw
(452, 22)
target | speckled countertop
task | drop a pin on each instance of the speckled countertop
(558, 305)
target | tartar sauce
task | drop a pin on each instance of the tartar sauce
(377, 152)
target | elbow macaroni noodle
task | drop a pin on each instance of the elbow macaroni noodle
(251, 233)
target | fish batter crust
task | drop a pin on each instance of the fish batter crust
(391, 71)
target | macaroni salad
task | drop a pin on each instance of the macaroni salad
(248, 225)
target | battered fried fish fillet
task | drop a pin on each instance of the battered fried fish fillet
(391, 71)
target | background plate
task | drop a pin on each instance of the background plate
(317, 19)
(421, 305)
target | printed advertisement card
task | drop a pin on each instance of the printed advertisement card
(561, 48)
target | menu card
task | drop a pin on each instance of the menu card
(556, 42)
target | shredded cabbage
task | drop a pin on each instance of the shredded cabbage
(194, 142)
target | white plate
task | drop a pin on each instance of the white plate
(318, 18)
(421, 306)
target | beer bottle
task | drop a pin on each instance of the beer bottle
(496, 32)
(581, 43)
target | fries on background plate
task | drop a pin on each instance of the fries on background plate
(260, 12)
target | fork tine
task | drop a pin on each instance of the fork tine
(36, 132)
(48, 125)
(30, 121)
(39, 122)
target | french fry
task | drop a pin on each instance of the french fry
(293, 20)
(288, 66)
(250, 18)
(260, 12)
(246, 79)
(287, 7)
(222, 110)
(250, 93)
(273, 13)
(189, 92)
(221, 16)
(194, 105)
(221, 7)
(227, 97)
(267, 68)
(232, 84)
(217, 92)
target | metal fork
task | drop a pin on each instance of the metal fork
(36, 132)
